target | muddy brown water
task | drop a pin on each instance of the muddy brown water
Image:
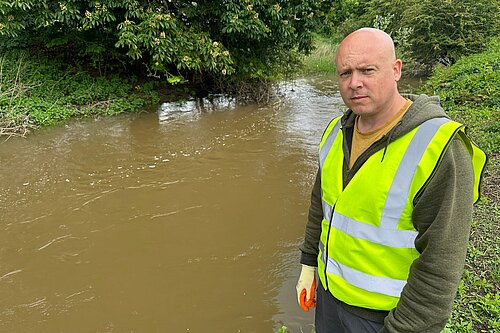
(186, 220)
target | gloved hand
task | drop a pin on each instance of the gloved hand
(306, 287)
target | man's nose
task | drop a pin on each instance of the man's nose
(356, 81)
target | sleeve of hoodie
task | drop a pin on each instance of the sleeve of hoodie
(309, 247)
(442, 216)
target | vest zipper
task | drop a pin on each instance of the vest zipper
(326, 246)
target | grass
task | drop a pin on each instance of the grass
(477, 305)
(40, 92)
(322, 58)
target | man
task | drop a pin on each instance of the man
(391, 206)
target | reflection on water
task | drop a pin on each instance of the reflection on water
(192, 108)
(187, 219)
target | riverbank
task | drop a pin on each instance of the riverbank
(38, 92)
(470, 91)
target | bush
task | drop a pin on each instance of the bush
(470, 92)
(428, 31)
(41, 92)
(444, 31)
(176, 40)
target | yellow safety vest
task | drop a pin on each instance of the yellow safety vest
(367, 242)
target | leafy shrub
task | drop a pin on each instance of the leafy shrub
(39, 92)
(470, 92)
(44, 113)
(430, 31)
(179, 38)
(446, 30)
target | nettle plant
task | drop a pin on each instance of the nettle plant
(169, 37)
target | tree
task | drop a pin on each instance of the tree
(430, 31)
(444, 30)
(171, 38)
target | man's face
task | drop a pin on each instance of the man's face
(368, 75)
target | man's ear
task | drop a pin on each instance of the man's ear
(397, 68)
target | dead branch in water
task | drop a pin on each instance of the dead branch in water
(11, 128)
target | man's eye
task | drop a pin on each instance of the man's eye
(344, 74)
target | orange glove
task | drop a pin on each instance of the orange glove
(306, 287)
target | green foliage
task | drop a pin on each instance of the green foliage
(178, 38)
(322, 58)
(477, 306)
(470, 92)
(347, 16)
(446, 30)
(282, 329)
(39, 92)
(430, 31)
(42, 112)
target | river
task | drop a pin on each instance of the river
(184, 220)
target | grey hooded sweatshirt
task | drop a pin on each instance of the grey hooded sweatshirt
(442, 217)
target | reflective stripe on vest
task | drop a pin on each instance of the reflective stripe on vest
(327, 145)
(386, 233)
(377, 284)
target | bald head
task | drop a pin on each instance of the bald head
(368, 73)
(368, 39)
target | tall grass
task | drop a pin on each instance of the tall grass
(322, 58)
(12, 122)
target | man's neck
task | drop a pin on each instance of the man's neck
(367, 123)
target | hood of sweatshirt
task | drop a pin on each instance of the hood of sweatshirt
(423, 108)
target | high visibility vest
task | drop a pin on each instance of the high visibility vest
(367, 241)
